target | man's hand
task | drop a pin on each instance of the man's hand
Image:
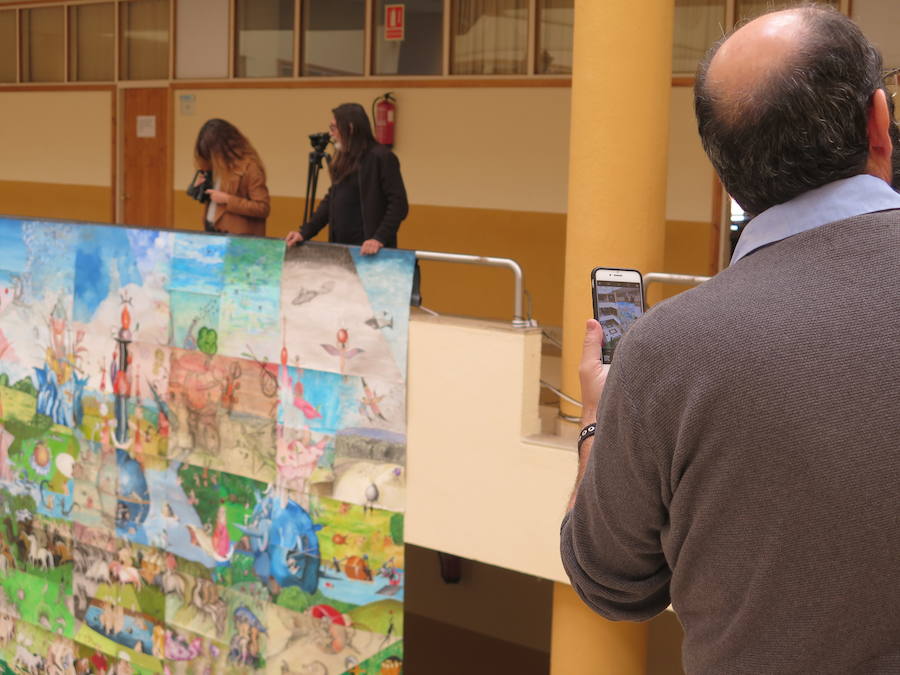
(218, 196)
(293, 238)
(591, 372)
(371, 247)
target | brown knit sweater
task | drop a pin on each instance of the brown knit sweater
(747, 463)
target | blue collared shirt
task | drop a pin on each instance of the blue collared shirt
(841, 199)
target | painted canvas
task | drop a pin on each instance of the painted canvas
(202, 453)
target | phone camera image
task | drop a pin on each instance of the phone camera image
(619, 304)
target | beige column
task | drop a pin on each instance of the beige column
(584, 643)
(617, 197)
(621, 81)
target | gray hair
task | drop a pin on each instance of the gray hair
(804, 126)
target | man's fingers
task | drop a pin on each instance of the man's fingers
(593, 340)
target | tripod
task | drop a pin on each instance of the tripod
(312, 176)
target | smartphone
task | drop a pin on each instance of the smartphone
(618, 301)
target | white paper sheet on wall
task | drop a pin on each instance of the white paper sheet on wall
(146, 126)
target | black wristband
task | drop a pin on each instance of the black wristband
(585, 434)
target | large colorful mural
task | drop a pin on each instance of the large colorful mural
(202, 453)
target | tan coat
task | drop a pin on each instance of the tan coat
(247, 207)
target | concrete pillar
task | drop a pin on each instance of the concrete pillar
(622, 73)
(617, 196)
(584, 643)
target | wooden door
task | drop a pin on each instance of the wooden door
(146, 193)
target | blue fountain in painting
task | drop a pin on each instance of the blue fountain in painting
(60, 389)
(283, 543)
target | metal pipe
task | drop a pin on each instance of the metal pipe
(518, 319)
(563, 396)
(663, 278)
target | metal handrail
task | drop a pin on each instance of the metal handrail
(652, 277)
(560, 393)
(518, 318)
(664, 278)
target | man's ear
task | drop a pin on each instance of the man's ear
(878, 119)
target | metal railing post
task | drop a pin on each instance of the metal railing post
(519, 319)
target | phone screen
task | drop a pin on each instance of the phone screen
(619, 303)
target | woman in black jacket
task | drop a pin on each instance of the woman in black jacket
(366, 201)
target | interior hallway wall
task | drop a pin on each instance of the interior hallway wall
(57, 154)
(485, 168)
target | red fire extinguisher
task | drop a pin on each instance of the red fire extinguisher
(383, 111)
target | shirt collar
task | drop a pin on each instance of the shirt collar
(839, 200)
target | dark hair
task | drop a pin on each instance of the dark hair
(220, 146)
(356, 139)
(804, 126)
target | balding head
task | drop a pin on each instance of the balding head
(781, 104)
(744, 64)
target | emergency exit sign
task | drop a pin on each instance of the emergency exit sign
(394, 22)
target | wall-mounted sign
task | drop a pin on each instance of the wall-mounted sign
(188, 102)
(146, 126)
(394, 22)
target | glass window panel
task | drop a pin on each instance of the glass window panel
(144, 44)
(8, 46)
(419, 51)
(92, 42)
(554, 48)
(750, 9)
(42, 45)
(333, 37)
(489, 37)
(265, 38)
(202, 37)
(698, 24)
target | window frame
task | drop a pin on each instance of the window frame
(686, 79)
(531, 77)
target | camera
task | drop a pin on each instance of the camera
(320, 141)
(201, 182)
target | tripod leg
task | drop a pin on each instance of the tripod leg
(315, 184)
(310, 188)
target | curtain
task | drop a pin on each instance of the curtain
(42, 45)
(750, 9)
(265, 38)
(145, 40)
(554, 49)
(698, 24)
(92, 42)
(490, 37)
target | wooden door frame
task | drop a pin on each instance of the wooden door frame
(119, 148)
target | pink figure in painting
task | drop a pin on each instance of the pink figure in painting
(220, 540)
(342, 350)
(296, 460)
(302, 404)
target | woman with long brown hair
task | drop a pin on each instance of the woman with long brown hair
(239, 198)
(367, 200)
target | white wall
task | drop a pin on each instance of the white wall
(56, 137)
(476, 486)
(690, 180)
(480, 147)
